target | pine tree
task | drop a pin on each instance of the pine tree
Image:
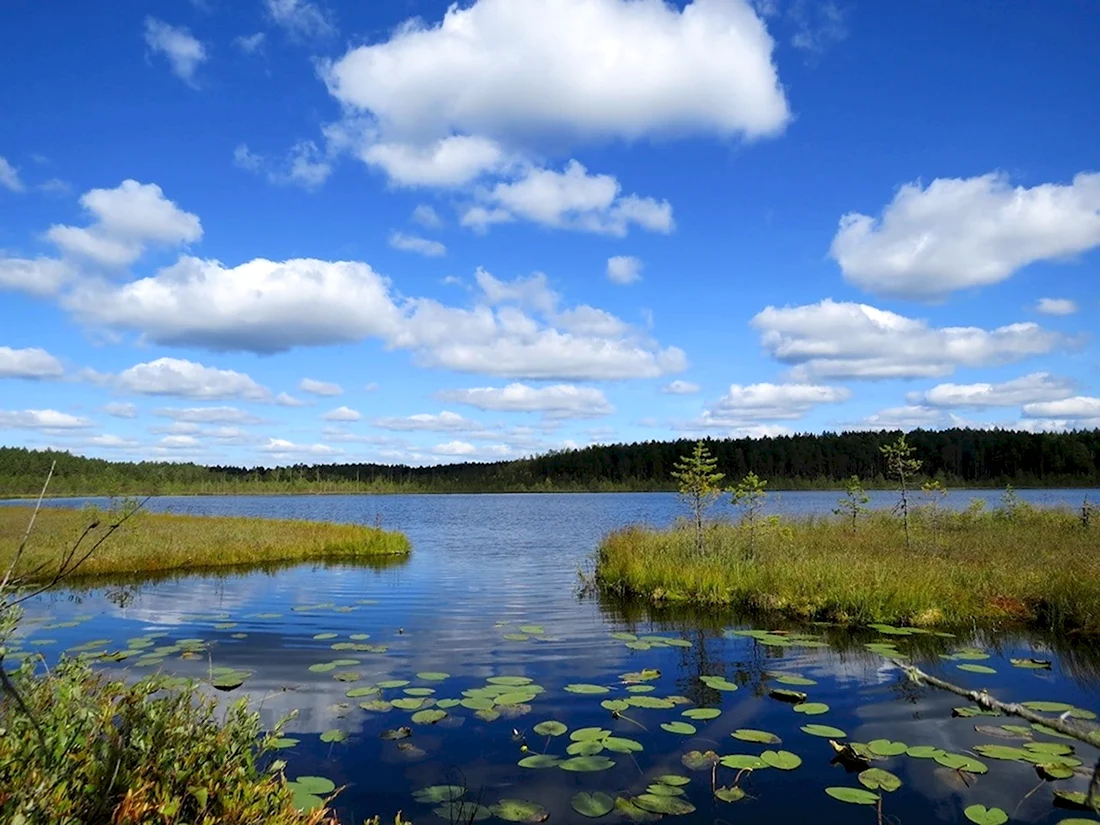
(699, 484)
(901, 465)
(749, 494)
(854, 503)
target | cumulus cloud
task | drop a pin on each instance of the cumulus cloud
(127, 219)
(208, 415)
(446, 421)
(183, 51)
(41, 277)
(285, 399)
(680, 388)
(847, 340)
(300, 19)
(1077, 408)
(179, 442)
(414, 243)
(966, 232)
(470, 452)
(280, 448)
(624, 269)
(426, 216)
(342, 414)
(322, 388)
(9, 177)
(1028, 389)
(188, 379)
(908, 417)
(32, 362)
(41, 420)
(555, 401)
(745, 405)
(1056, 306)
(120, 409)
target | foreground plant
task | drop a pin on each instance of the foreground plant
(699, 483)
(901, 465)
(854, 502)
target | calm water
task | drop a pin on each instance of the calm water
(482, 568)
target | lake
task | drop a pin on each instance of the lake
(491, 591)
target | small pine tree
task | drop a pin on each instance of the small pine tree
(901, 465)
(699, 482)
(934, 494)
(854, 503)
(749, 494)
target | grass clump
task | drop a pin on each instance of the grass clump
(153, 542)
(1016, 565)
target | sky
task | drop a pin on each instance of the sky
(263, 232)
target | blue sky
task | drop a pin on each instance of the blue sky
(272, 231)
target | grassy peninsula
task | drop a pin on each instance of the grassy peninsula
(154, 542)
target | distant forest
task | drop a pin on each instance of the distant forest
(958, 458)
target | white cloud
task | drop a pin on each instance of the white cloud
(450, 161)
(126, 219)
(32, 362)
(1075, 408)
(179, 442)
(572, 199)
(470, 452)
(606, 68)
(41, 420)
(959, 233)
(817, 25)
(188, 379)
(9, 176)
(532, 292)
(119, 409)
(1056, 306)
(908, 417)
(54, 186)
(746, 405)
(446, 421)
(285, 399)
(305, 165)
(847, 340)
(680, 388)
(342, 414)
(36, 276)
(280, 448)
(1028, 389)
(624, 269)
(426, 216)
(555, 401)
(414, 243)
(176, 43)
(251, 43)
(208, 415)
(300, 19)
(373, 386)
(111, 442)
(323, 388)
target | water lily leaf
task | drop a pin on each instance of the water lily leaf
(397, 733)
(589, 734)
(347, 676)
(592, 805)
(645, 675)
(1073, 800)
(641, 688)
(439, 793)
(1019, 730)
(761, 737)
(516, 697)
(675, 780)
(432, 676)
(231, 680)
(729, 794)
(516, 637)
(669, 805)
(773, 641)
(408, 703)
(879, 780)
(487, 715)
(1054, 771)
(970, 654)
(962, 762)
(811, 708)
(924, 751)
(393, 683)
(827, 731)
(587, 763)
(1004, 752)
(1050, 731)
(682, 728)
(664, 790)
(589, 748)
(359, 692)
(718, 683)
(463, 811)
(476, 703)
(742, 762)
(334, 735)
(350, 662)
(550, 728)
(619, 744)
(699, 760)
(885, 747)
(1031, 664)
(701, 714)
(970, 712)
(532, 629)
(615, 705)
(794, 696)
(791, 679)
(624, 637)
(1048, 707)
(651, 702)
(418, 691)
(1052, 748)
(855, 796)
(322, 667)
(632, 812)
(359, 637)
(317, 785)
(376, 706)
(976, 668)
(1081, 713)
(985, 816)
(324, 636)
(429, 717)
(638, 644)
(783, 760)
(447, 704)
(1001, 732)
(587, 689)
(519, 810)
(539, 760)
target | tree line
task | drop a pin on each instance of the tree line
(957, 457)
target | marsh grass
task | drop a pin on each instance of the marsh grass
(157, 542)
(1024, 566)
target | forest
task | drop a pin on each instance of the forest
(957, 457)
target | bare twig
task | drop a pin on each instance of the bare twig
(27, 534)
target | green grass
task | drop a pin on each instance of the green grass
(1028, 567)
(156, 542)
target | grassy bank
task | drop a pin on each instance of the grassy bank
(1038, 567)
(153, 542)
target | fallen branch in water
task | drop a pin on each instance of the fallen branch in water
(1090, 734)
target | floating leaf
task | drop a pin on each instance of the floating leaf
(587, 763)
(729, 794)
(791, 679)
(408, 703)
(589, 734)
(855, 796)
(550, 728)
(322, 667)
(639, 645)
(682, 728)
(962, 762)
(1073, 800)
(701, 714)
(432, 676)
(924, 751)
(396, 733)
(283, 742)
(519, 810)
(593, 805)
(619, 744)
(664, 790)
(359, 692)
(761, 737)
(540, 760)
(624, 637)
(324, 636)
(1052, 748)
(334, 735)
(651, 702)
(615, 705)
(516, 637)
(969, 712)
(742, 762)
(633, 812)
(1004, 752)
(1048, 707)
(376, 706)
(879, 780)
(231, 680)
(976, 668)
(827, 731)
(783, 760)
(811, 708)
(429, 717)
(435, 794)
(475, 703)
(673, 779)
(646, 675)
(885, 747)
(487, 715)
(317, 785)
(516, 697)
(1031, 664)
(590, 748)
(985, 816)
(641, 688)
(699, 760)
(718, 683)
(347, 676)
(669, 805)
(1054, 771)
(587, 689)
(447, 704)
(393, 683)
(532, 629)
(418, 691)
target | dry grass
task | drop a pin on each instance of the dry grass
(154, 542)
(1027, 567)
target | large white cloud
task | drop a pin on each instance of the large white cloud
(41, 420)
(178, 45)
(188, 379)
(555, 401)
(325, 389)
(1056, 306)
(1028, 389)
(832, 339)
(31, 362)
(746, 405)
(446, 421)
(966, 232)
(36, 276)
(1074, 409)
(208, 415)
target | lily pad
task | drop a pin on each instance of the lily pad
(324, 636)
(783, 760)
(793, 680)
(334, 735)
(592, 805)
(393, 683)
(982, 815)
(589, 734)
(742, 762)
(664, 790)
(487, 715)
(885, 747)
(590, 748)
(761, 737)
(432, 676)
(682, 728)
(734, 794)
(434, 794)
(651, 702)
(675, 780)
(624, 637)
(811, 708)
(668, 805)
(826, 731)
(418, 691)
(376, 706)
(1054, 771)
(1031, 664)
(540, 760)
(360, 692)
(587, 689)
(702, 714)
(584, 764)
(429, 717)
(879, 780)
(231, 680)
(476, 703)
(718, 683)
(519, 810)
(408, 703)
(397, 733)
(632, 812)
(1048, 707)
(962, 762)
(620, 744)
(699, 760)
(924, 751)
(283, 742)
(854, 796)
(550, 728)
(615, 705)
(516, 697)
(976, 669)
(322, 667)
(447, 704)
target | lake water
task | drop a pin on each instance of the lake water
(491, 590)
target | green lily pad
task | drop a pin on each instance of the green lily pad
(640, 688)
(334, 735)
(620, 744)
(231, 680)
(1052, 748)
(1054, 771)
(793, 680)
(519, 810)
(811, 708)
(587, 689)
(675, 780)
(322, 667)
(651, 702)
(376, 706)
(393, 683)
(551, 728)
(702, 714)
(1004, 752)
(1074, 800)
(924, 751)
(962, 762)
(699, 760)
(476, 703)
(682, 728)
(742, 762)
(509, 681)
(589, 734)
(664, 790)
(637, 644)
(432, 676)
(718, 683)
(418, 691)
(540, 760)
(592, 805)
(589, 748)
(347, 676)
(885, 747)
(283, 742)
(359, 692)
(435, 794)
(1048, 707)
(826, 731)
(429, 717)
(487, 715)
(516, 697)
(584, 764)
(879, 780)
(1031, 664)
(734, 794)
(408, 703)
(854, 796)
(783, 760)
(324, 636)
(615, 705)
(976, 668)
(668, 805)
(761, 737)
(632, 812)
(317, 785)
(624, 637)
(985, 816)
